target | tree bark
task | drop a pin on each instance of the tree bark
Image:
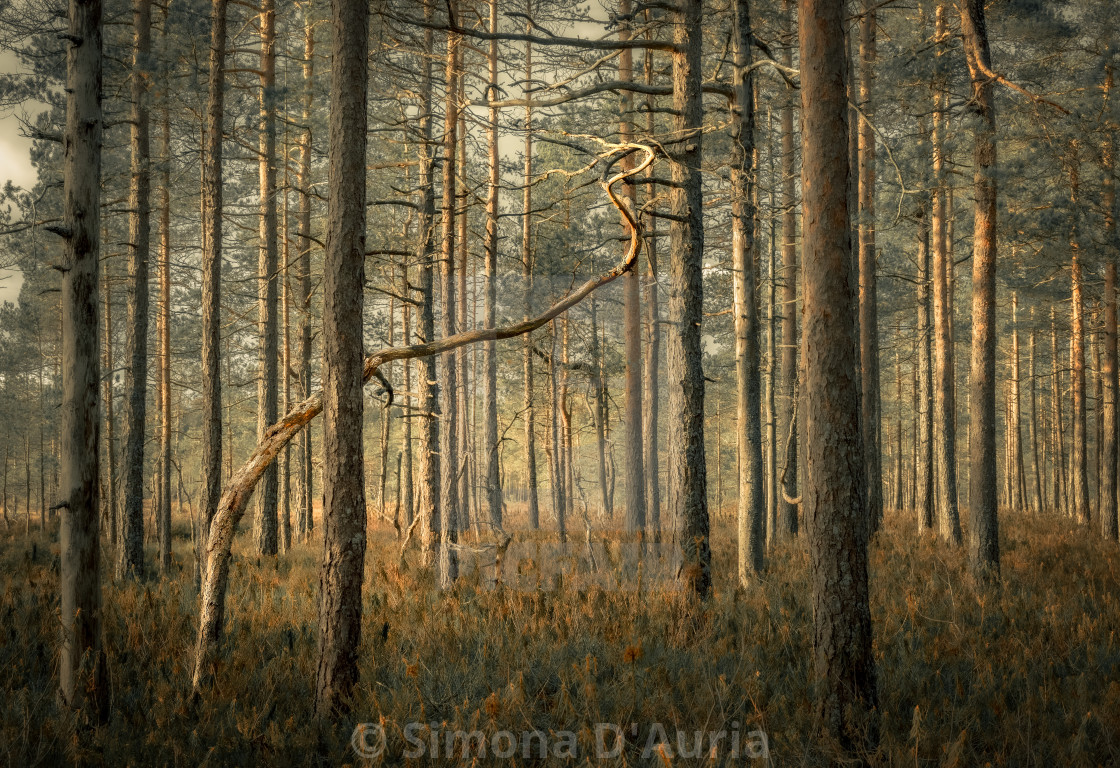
(945, 408)
(163, 511)
(685, 377)
(788, 526)
(836, 477)
(130, 560)
(984, 528)
(490, 349)
(1061, 492)
(752, 505)
(344, 504)
(868, 290)
(651, 365)
(304, 470)
(1079, 480)
(533, 502)
(1109, 527)
(83, 680)
(212, 273)
(924, 486)
(267, 521)
(110, 423)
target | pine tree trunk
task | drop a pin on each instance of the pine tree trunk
(130, 560)
(449, 367)
(1039, 496)
(407, 488)
(868, 291)
(83, 682)
(1018, 497)
(1079, 481)
(651, 365)
(304, 469)
(163, 513)
(685, 378)
(344, 507)
(110, 423)
(924, 501)
(944, 415)
(790, 370)
(752, 505)
(836, 480)
(532, 500)
(490, 349)
(1061, 493)
(212, 275)
(984, 528)
(266, 523)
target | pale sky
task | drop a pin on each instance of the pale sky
(15, 164)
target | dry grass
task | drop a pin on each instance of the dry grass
(1029, 675)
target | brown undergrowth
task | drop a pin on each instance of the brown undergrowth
(1028, 674)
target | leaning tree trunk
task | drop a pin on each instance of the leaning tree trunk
(984, 530)
(212, 275)
(244, 481)
(266, 524)
(83, 682)
(868, 292)
(752, 505)
(344, 503)
(836, 477)
(130, 556)
(685, 378)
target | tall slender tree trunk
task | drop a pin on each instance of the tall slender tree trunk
(407, 488)
(836, 477)
(83, 680)
(944, 416)
(651, 365)
(130, 559)
(984, 528)
(1015, 425)
(752, 505)
(490, 350)
(266, 524)
(304, 469)
(1079, 480)
(449, 365)
(687, 466)
(110, 421)
(1039, 497)
(1061, 492)
(163, 513)
(344, 505)
(428, 501)
(532, 501)
(868, 291)
(924, 501)
(790, 370)
(599, 412)
(212, 274)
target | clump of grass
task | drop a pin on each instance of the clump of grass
(1027, 674)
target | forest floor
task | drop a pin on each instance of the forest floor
(1023, 676)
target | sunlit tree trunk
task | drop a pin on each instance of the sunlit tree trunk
(304, 469)
(532, 500)
(1079, 480)
(788, 525)
(490, 350)
(1109, 528)
(651, 365)
(163, 511)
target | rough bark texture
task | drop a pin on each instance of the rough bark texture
(1079, 477)
(651, 365)
(752, 506)
(130, 556)
(533, 501)
(836, 477)
(490, 349)
(83, 681)
(868, 290)
(685, 378)
(344, 503)
(1014, 424)
(984, 528)
(212, 273)
(266, 524)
